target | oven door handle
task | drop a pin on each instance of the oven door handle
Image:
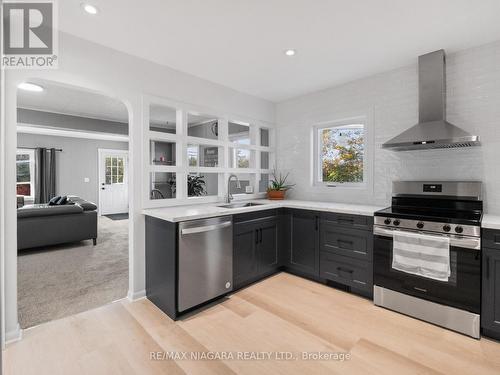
(472, 243)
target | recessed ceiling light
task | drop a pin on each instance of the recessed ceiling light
(290, 52)
(89, 8)
(30, 87)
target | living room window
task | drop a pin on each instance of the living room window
(340, 154)
(25, 169)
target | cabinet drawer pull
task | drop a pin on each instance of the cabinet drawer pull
(359, 282)
(345, 219)
(487, 268)
(256, 236)
(342, 269)
(339, 241)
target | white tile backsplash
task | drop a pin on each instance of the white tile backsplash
(391, 99)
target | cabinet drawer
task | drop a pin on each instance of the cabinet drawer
(347, 220)
(345, 241)
(251, 217)
(348, 271)
(491, 238)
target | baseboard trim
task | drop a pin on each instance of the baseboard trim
(134, 296)
(13, 335)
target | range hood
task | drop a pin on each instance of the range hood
(432, 130)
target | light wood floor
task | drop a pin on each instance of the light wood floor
(281, 314)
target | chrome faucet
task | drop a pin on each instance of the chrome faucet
(229, 196)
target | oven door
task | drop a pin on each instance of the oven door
(462, 290)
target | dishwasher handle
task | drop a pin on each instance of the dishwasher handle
(206, 228)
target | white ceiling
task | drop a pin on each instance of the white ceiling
(72, 101)
(240, 43)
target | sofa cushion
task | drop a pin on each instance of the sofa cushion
(46, 210)
(54, 200)
(86, 205)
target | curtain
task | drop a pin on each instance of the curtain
(45, 174)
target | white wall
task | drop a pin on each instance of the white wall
(77, 161)
(127, 78)
(390, 100)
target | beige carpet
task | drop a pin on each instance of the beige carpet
(58, 281)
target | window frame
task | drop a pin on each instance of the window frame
(31, 153)
(316, 153)
(225, 145)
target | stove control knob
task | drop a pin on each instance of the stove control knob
(446, 228)
(387, 221)
(459, 229)
(420, 225)
(396, 222)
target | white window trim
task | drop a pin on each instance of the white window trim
(31, 153)
(367, 158)
(182, 140)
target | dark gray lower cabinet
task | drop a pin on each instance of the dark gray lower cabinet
(244, 253)
(346, 251)
(490, 309)
(302, 252)
(161, 264)
(255, 248)
(319, 246)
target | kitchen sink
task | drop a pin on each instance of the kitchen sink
(240, 205)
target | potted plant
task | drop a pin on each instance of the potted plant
(196, 185)
(278, 187)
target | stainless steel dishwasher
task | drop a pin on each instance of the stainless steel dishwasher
(205, 260)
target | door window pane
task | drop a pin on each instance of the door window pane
(162, 153)
(162, 185)
(162, 119)
(239, 133)
(202, 184)
(203, 126)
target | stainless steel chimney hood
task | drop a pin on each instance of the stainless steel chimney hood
(432, 130)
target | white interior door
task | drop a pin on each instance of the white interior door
(113, 181)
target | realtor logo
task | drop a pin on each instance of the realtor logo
(29, 35)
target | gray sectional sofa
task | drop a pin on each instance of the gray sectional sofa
(44, 225)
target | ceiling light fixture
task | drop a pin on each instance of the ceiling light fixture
(90, 9)
(26, 86)
(290, 52)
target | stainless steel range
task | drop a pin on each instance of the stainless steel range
(437, 210)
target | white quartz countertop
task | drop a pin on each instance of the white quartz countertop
(490, 221)
(200, 211)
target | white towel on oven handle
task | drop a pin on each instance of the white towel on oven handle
(422, 255)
